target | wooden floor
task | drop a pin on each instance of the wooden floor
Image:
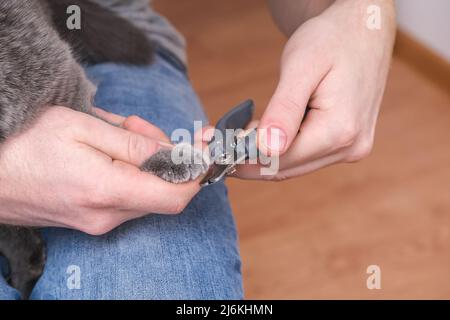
(314, 236)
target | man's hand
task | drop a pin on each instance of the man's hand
(72, 170)
(337, 66)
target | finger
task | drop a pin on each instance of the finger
(301, 73)
(253, 124)
(310, 166)
(109, 116)
(323, 133)
(145, 128)
(204, 134)
(118, 143)
(311, 143)
(248, 172)
(253, 172)
(143, 192)
(133, 123)
(201, 139)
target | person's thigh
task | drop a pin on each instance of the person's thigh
(193, 255)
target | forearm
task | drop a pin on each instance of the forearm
(290, 14)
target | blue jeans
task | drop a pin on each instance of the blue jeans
(193, 255)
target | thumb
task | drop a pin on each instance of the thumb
(117, 143)
(281, 120)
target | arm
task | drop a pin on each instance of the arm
(336, 64)
(290, 14)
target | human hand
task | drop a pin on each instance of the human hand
(338, 67)
(72, 170)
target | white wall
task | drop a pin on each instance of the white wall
(428, 21)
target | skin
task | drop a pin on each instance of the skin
(338, 67)
(93, 183)
(331, 63)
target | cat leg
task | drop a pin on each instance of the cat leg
(25, 251)
(181, 164)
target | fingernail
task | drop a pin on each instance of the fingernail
(274, 139)
(165, 144)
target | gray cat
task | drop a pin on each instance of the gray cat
(40, 66)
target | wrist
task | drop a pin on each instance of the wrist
(290, 14)
(368, 24)
(361, 11)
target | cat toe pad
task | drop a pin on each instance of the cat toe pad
(180, 164)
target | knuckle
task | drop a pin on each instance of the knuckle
(346, 135)
(131, 121)
(288, 105)
(57, 111)
(99, 225)
(177, 206)
(276, 178)
(136, 146)
(134, 118)
(360, 151)
(283, 177)
(57, 117)
(279, 177)
(132, 144)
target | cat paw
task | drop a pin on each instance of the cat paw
(180, 164)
